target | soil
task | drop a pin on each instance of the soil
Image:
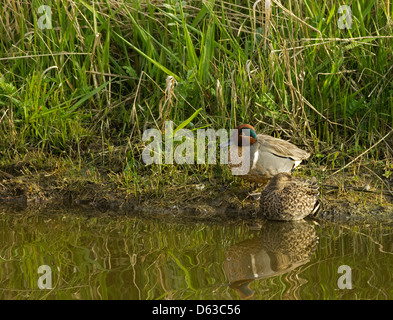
(354, 202)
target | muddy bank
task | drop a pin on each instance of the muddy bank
(202, 202)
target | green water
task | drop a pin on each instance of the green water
(128, 257)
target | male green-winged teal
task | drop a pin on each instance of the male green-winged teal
(288, 198)
(268, 155)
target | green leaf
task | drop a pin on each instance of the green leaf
(86, 97)
(159, 65)
(186, 122)
(192, 57)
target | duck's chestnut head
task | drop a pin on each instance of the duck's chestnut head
(243, 131)
(247, 131)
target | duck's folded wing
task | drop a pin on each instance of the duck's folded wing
(281, 148)
(306, 186)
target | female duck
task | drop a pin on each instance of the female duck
(268, 155)
(288, 198)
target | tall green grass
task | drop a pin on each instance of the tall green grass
(99, 77)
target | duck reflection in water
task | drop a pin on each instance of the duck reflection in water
(279, 248)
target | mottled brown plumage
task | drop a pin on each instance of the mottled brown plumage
(288, 198)
(280, 248)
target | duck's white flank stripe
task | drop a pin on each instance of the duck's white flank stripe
(297, 163)
(255, 160)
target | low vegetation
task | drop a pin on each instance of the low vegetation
(79, 86)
